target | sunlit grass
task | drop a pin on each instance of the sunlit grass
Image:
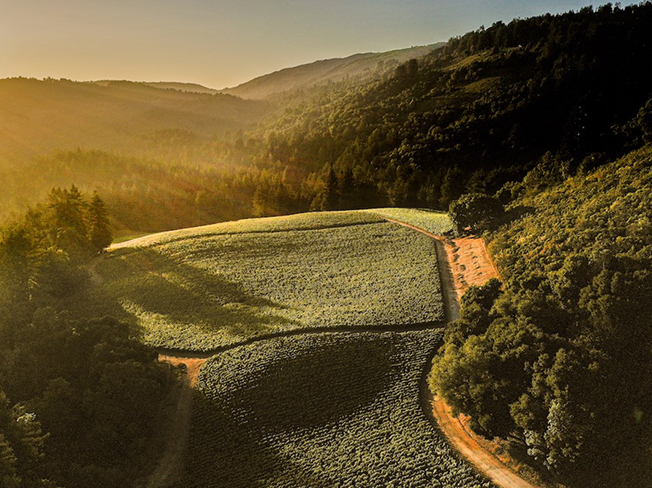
(429, 220)
(301, 221)
(127, 235)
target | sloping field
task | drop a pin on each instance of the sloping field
(199, 289)
(332, 409)
(434, 222)
(303, 221)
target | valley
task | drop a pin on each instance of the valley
(294, 281)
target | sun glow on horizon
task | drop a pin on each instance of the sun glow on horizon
(227, 43)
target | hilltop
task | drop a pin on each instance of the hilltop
(207, 287)
(325, 71)
(184, 87)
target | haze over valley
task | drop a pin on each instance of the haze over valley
(267, 244)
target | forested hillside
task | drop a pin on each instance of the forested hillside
(558, 92)
(561, 358)
(564, 91)
(359, 67)
(142, 194)
(38, 117)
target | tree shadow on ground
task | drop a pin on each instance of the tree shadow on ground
(144, 282)
(235, 437)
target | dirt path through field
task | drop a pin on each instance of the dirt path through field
(171, 463)
(463, 262)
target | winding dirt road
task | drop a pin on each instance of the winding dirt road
(169, 467)
(464, 262)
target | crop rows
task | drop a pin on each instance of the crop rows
(326, 410)
(303, 221)
(434, 222)
(212, 289)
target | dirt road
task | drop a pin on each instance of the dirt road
(169, 467)
(465, 262)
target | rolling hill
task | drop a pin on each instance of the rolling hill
(208, 287)
(38, 117)
(325, 71)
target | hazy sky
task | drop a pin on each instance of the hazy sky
(226, 42)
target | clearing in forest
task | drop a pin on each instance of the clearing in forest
(204, 288)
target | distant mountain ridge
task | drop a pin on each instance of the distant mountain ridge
(167, 85)
(184, 87)
(302, 76)
(324, 71)
(41, 116)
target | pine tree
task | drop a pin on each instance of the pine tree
(98, 224)
(65, 221)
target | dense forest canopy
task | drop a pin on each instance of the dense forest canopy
(561, 357)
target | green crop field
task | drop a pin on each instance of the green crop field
(199, 289)
(303, 221)
(319, 410)
(428, 220)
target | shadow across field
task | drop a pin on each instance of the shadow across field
(167, 296)
(252, 415)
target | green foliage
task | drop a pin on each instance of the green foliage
(475, 212)
(203, 288)
(41, 256)
(93, 388)
(477, 113)
(21, 446)
(99, 227)
(562, 358)
(89, 393)
(142, 194)
(319, 410)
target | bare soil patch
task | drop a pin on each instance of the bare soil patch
(470, 263)
(171, 463)
(193, 365)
